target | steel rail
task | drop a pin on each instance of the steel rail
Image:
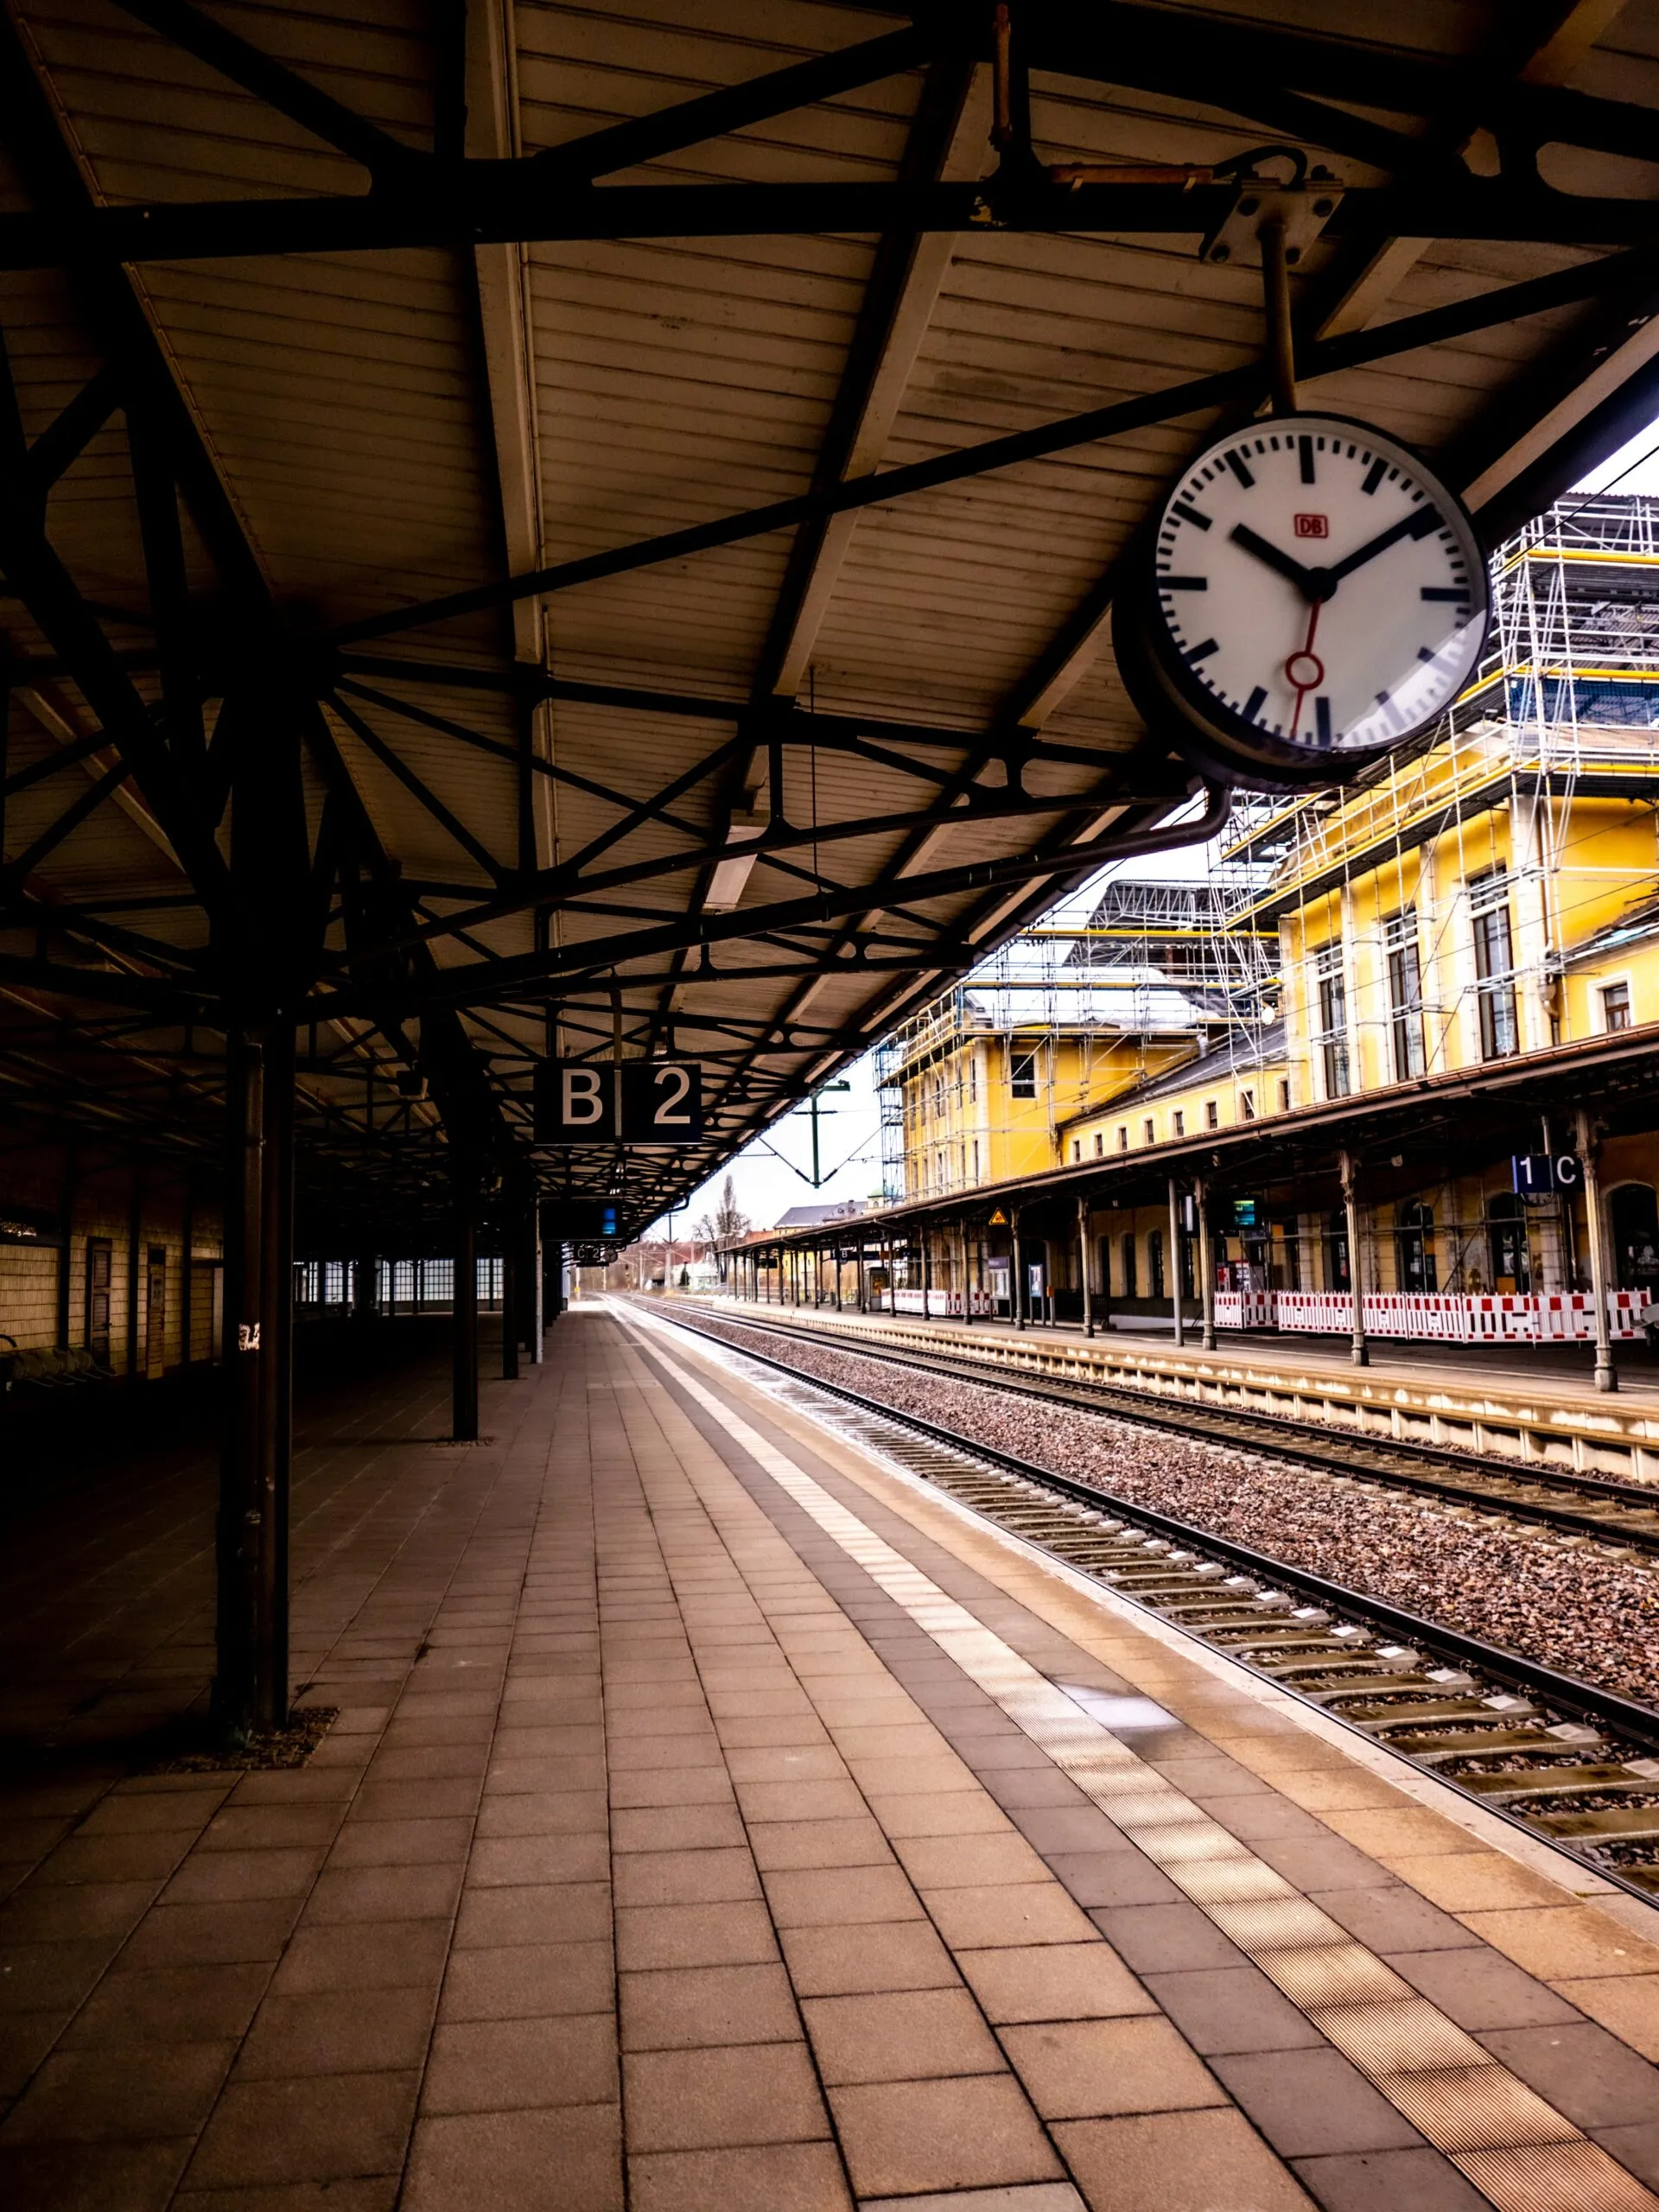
(1606, 1706)
(1627, 1722)
(1286, 1438)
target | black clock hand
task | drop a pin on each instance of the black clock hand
(1301, 577)
(1420, 525)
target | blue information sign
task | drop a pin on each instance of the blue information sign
(1537, 1173)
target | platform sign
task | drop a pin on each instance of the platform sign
(1537, 1173)
(567, 1220)
(619, 1102)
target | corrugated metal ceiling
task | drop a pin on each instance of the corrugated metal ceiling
(381, 429)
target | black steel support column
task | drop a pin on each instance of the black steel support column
(135, 1238)
(187, 1285)
(250, 1686)
(511, 1323)
(276, 1372)
(531, 1316)
(65, 1239)
(1174, 1267)
(1359, 1352)
(463, 1306)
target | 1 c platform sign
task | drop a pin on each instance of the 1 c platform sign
(619, 1102)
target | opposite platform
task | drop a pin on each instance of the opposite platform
(715, 1818)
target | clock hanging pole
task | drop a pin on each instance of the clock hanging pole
(1275, 292)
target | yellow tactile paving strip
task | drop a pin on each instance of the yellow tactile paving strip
(1511, 2144)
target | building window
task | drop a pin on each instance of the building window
(1147, 1133)
(1212, 1114)
(1284, 1093)
(1336, 1250)
(1511, 1255)
(101, 1266)
(1405, 994)
(1022, 1075)
(1126, 1247)
(1331, 998)
(1180, 1123)
(1155, 1263)
(1615, 1012)
(1076, 1147)
(1247, 1105)
(1122, 1136)
(1100, 1142)
(1489, 912)
(1414, 1251)
(976, 1160)
(1633, 1219)
(973, 1075)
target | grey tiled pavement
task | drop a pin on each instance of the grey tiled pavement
(658, 1859)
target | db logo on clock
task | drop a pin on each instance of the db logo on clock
(1312, 526)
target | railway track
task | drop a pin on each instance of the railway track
(1593, 1508)
(1561, 1759)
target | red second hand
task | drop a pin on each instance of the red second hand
(1305, 652)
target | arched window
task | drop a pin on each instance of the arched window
(1413, 1249)
(1506, 1233)
(1633, 1217)
(1155, 1284)
(1126, 1247)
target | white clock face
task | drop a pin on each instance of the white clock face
(1313, 583)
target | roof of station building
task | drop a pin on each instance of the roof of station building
(560, 528)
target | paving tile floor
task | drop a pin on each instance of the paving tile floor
(705, 1826)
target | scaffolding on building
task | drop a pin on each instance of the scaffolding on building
(1125, 970)
(1505, 881)
(1565, 701)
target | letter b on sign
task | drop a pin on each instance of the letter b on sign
(619, 1102)
(582, 1096)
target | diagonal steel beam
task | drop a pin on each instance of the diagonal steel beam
(63, 441)
(1227, 387)
(946, 143)
(418, 790)
(1065, 863)
(272, 82)
(1534, 47)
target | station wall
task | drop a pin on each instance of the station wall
(122, 1257)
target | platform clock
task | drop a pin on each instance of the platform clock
(1309, 598)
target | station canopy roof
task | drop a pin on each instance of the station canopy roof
(528, 528)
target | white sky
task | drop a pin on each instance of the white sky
(1634, 468)
(773, 1174)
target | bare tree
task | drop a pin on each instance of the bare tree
(726, 1226)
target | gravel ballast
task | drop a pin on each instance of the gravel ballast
(1570, 1607)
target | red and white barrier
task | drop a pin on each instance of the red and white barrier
(1244, 1309)
(941, 1305)
(1489, 1318)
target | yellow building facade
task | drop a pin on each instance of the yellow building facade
(983, 1102)
(1492, 896)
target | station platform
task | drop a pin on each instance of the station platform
(717, 1821)
(1521, 1401)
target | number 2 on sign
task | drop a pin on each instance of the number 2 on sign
(664, 1117)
